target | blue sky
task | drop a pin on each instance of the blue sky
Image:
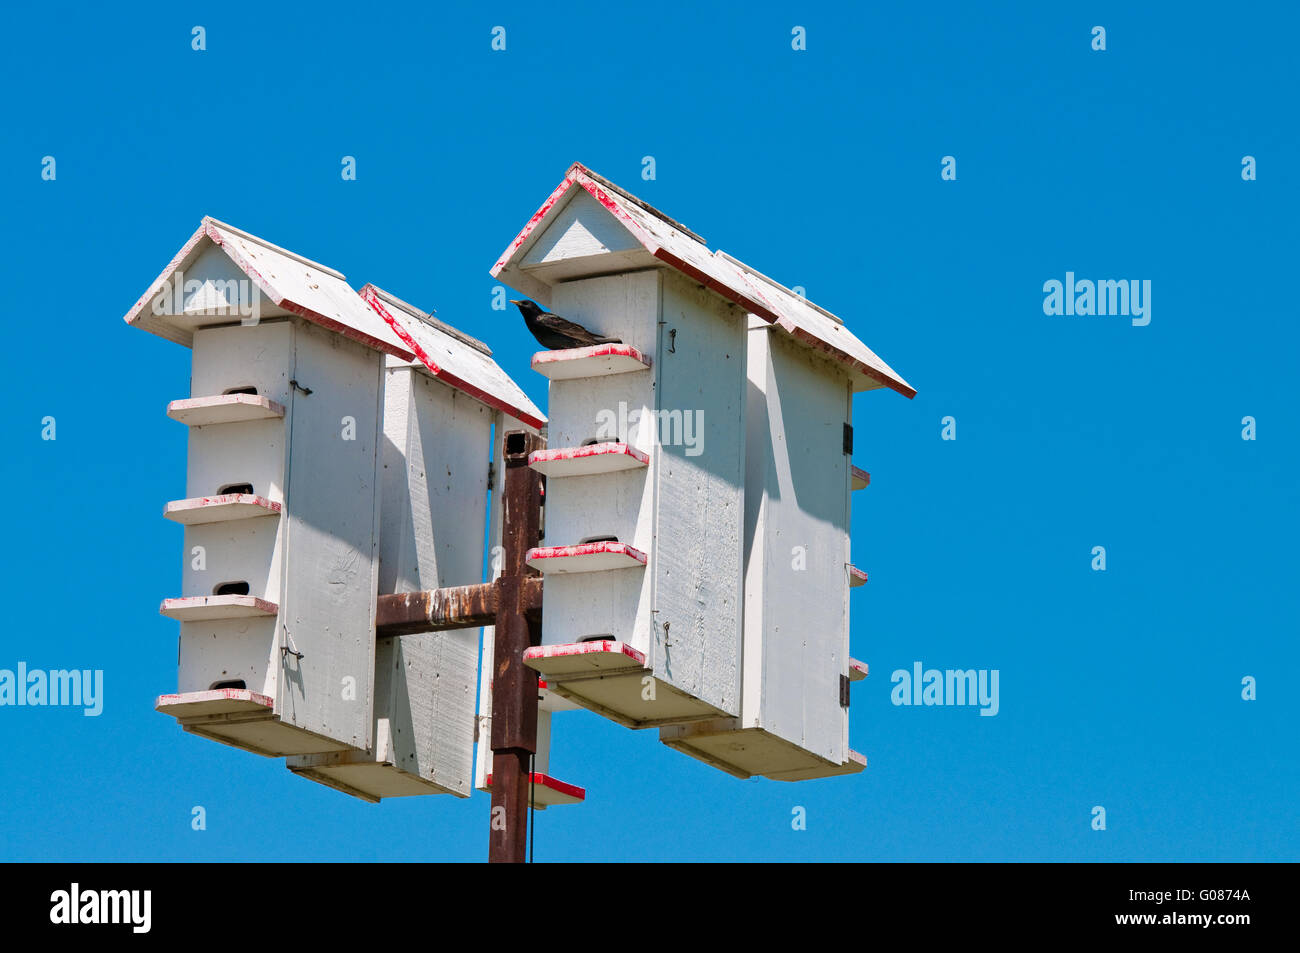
(1120, 688)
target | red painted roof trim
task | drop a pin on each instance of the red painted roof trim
(419, 353)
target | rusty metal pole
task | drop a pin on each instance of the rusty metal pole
(518, 625)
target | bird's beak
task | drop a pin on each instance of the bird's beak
(515, 303)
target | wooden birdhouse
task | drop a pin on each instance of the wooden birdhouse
(440, 413)
(281, 510)
(642, 617)
(696, 555)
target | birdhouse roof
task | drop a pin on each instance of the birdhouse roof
(284, 283)
(452, 356)
(659, 240)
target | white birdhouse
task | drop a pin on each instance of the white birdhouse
(439, 415)
(688, 468)
(339, 447)
(281, 513)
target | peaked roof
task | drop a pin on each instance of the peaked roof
(677, 246)
(453, 356)
(292, 284)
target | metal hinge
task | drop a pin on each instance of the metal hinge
(492, 474)
(848, 439)
(844, 691)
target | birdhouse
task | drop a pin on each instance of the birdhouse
(697, 558)
(642, 617)
(281, 511)
(440, 412)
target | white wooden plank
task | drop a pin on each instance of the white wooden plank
(560, 662)
(220, 701)
(585, 558)
(223, 409)
(699, 477)
(331, 534)
(808, 493)
(797, 486)
(595, 361)
(216, 509)
(433, 512)
(597, 458)
(202, 608)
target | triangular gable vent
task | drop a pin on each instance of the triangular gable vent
(223, 275)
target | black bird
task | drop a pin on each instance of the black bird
(554, 332)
